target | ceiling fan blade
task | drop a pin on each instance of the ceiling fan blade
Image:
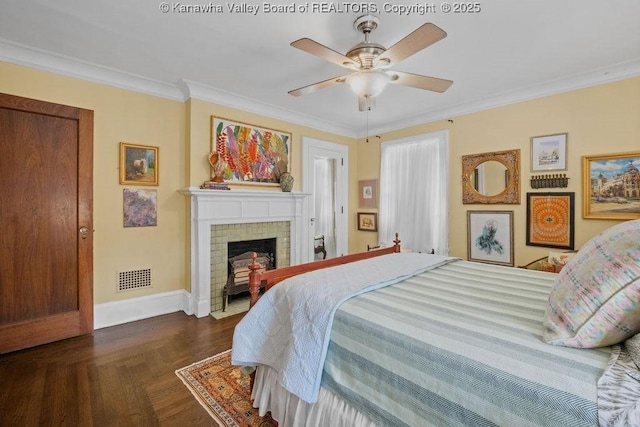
(317, 86)
(366, 103)
(423, 37)
(317, 49)
(421, 82)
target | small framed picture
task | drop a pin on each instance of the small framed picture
(138, 164)
(490, 237)
(550, 219)
(368, 194)
(140, 208)
(367, 221)
(549, 153)
(611, 186)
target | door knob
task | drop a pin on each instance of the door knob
(83, 232)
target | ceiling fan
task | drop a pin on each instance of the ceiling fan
(370, 61)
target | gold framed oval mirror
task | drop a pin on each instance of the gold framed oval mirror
(491, 178)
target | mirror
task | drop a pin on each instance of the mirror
(491, 177)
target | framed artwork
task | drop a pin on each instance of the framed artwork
(252, 154)
(550, 219)
(611, 186)
(140, 208)
(490, 237)
(549, 153)
(367, 221)
(368, 193)
(138, 164)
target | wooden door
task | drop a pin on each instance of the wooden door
(46, 201)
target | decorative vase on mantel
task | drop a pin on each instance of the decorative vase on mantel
(286, 182)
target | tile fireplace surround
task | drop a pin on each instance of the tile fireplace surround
(215, 207)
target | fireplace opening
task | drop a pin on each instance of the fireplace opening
(240, 256)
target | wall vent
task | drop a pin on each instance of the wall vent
(134, 279)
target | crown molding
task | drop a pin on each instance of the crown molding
(46, 61)
(184, 89)
(195, 90)
(596, 77)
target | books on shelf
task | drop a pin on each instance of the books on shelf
(210, 185)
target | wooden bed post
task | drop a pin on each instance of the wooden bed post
(254, 279)
(396, 244)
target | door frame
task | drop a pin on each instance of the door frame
(312, 148)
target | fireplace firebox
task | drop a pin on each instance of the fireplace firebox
(240, 256)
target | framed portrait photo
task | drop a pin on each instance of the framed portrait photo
(138, 164)
(490, 237)
(550, 220)
(367, 221)
(549, 153)
(611, 186)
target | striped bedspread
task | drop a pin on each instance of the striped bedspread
(460, 345)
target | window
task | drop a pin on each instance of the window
(413, 192)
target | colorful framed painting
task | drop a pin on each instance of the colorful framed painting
(138, 164)
(611, 186)
(368, 194)
(252, 154)
(490, 237)
(140, 208)
(550, 220)
(549, 153)
(367, 221)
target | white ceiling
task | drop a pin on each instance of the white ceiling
(509, 51)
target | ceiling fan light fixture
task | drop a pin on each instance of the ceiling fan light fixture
(368, 83)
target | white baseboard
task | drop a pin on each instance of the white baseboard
(130, 310)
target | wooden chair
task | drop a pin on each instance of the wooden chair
(318, 246)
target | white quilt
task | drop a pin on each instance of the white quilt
(288, 329)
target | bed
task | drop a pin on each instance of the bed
(421, 339)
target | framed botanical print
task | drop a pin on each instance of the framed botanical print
(250, 154)
(490, 237)
(368, 193)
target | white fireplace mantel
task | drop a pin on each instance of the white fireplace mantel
(213, 207)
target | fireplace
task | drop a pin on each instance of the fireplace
(219, 217)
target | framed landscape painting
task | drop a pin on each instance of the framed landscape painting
(549, 152)
(611, 186)
(490, 237)
(252, 154)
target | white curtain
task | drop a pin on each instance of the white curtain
(413, 192)
(325, 203)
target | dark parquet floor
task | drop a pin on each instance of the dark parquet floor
(118, 376)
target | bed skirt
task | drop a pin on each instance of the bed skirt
(290, 411)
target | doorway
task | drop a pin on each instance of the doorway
(325, 177)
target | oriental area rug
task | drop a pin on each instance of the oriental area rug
(224, 391)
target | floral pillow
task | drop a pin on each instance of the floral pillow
(595, 301)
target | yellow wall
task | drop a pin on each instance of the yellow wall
(182, 133)
(599, 120)
(121, 115)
